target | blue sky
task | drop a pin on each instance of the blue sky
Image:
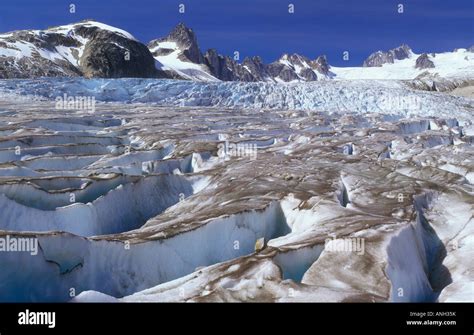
(265, 28)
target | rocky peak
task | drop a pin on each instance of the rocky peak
(184, 36)
(225, 68)
(401, 52)
(216, 64)
(281, 71)
(290, 68)
(321, 65)
(379, 58)
(186, 41)
(294, 60)
(424, 62)
(256, 67)
(212, 57)
(257, 60)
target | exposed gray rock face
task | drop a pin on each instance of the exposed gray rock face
(215, 62)
(287, 74)
(109, 55)
(225, 68)
(35, 65)
(288, 68)
(379, 58)
(162, 52)
(256, 67)
(296, 60)
(321, 65)
(10, 67)
(292, 67)
(402, 52)
(83, 49)
(308, 75)
(423, 62)
(434, 82)
(275, 69)
(471, 48)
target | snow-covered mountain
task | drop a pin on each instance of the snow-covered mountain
(93, 49)
(179, 53)
(456, 64)
(87, 48)
(380, 57)
(290, 68)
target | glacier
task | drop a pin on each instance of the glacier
(342, 96)
(134, 202)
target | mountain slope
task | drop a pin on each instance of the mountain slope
(93, 49)
(87, 48)
(297, 68)
(179, 53)
(455, 64)
(379, 58)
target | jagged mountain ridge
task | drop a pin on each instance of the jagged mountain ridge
(93, 49)
(400, 63)
(379, 58)
(179, 52)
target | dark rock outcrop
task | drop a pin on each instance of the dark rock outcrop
(288, 68)
(280, 71)
(424, 62)
(308, 75)
(434, 82)
(379, 58)
(402, 52)
(110, 55)
(225, 68)
(292, 67)
(256, 67)
(321, 65)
